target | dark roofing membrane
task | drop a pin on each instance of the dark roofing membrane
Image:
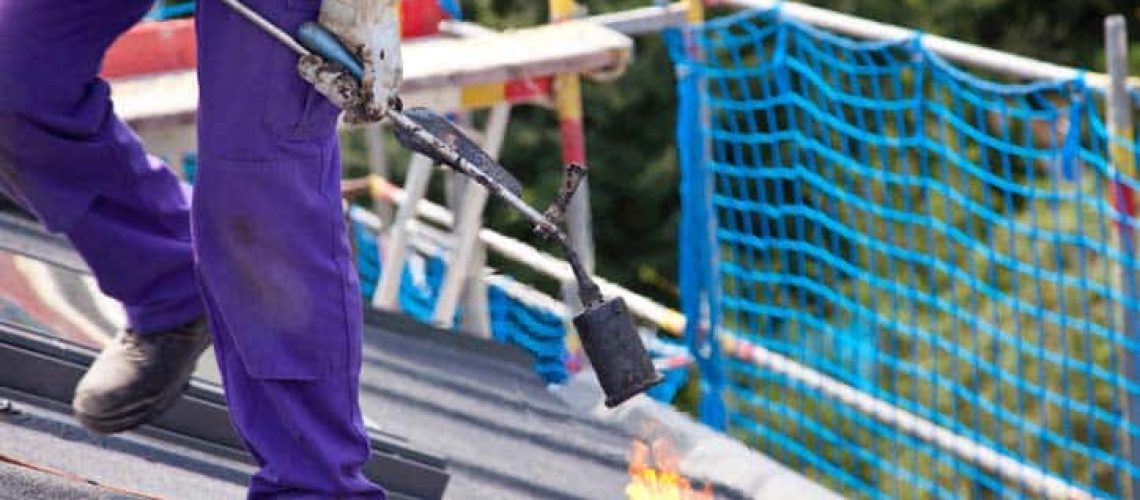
(45, 454)
(476, 403)
(435, 399)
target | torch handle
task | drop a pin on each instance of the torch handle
(324, 43)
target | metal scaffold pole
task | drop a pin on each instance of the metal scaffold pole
(568, 101)
(1119, 104)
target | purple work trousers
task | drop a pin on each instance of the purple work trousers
(269, 259)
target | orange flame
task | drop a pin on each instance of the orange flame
(655, 475)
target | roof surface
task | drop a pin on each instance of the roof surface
(504, 433)
(58, 459)
(427, 392)
(475, 402)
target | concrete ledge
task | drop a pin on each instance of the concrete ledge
(706, 455)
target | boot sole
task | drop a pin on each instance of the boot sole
(145, 413)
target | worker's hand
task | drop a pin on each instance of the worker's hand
(338, 86)
(371, 30)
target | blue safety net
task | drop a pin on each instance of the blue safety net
(863, 220)
(539, 331)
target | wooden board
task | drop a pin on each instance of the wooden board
(157, 99)
(571, 47)
(431, 65)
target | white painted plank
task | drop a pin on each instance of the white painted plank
(434, 68)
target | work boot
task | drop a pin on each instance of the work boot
(138, 377)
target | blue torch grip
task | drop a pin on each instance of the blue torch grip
(325, 44)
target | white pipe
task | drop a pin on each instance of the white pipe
(648, 310)
(463, 252)
(378, 163)
(961, 52)
(388, 290)
(428, 239)
(553, 267)
(1034, 479)
(466, 235)
(529, 295)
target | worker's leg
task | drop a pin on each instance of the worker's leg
(274, 259)
(66, 157)
(306, 435)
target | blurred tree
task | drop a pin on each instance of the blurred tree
(630, 123)
(629, 139)
(1056, 31)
